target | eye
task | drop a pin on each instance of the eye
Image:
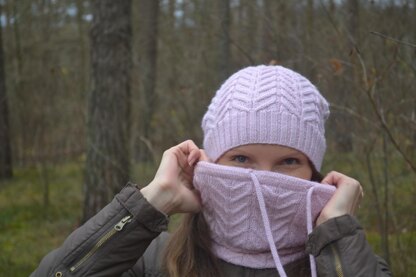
(291, 161)
(239, 159)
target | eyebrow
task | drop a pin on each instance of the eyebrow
(287, 155)
(238, 152)
(297, 154)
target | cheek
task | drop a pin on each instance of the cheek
(228, 163)
(223, 161)
(307, 173)
(303, 173)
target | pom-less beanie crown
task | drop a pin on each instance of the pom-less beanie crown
(269, 105)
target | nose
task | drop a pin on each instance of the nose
(264, 167)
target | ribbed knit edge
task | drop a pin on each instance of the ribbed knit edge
(237, 173)
(269, 127)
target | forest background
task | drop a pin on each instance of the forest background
(93, 92)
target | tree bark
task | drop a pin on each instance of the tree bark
(310, 21)
(108, 122)
(353, 20)
(346, 140)
(148, 13)
(224, 39)
(266, 36)
(16, 31)
(250, 18)
(5, 144)
(83, 47)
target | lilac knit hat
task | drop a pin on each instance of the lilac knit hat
(270, 105)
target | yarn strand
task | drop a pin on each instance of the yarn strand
(266, 224)
(310, 227)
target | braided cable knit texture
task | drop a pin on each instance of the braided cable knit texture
(232, 211)
(266, 104)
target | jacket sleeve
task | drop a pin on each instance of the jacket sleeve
(341, 249)
(110, 242)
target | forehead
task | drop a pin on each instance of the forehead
(264, 150)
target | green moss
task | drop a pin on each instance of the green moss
(28, 228)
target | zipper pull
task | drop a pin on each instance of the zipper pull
(119, 226)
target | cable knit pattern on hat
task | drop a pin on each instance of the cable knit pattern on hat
(266, 104)
(231, 209)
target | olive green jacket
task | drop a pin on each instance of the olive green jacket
(127, 237)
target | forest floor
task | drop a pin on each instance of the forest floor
(30, 228)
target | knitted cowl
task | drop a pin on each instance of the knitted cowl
(258, 219)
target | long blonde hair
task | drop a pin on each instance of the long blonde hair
(188, 250)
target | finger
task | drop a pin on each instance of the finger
(358, 198)
(181, 158)
(185, 153)
(331, 178)
(190, 149)
(194, 156)
(187, 146)
(186, 168)
(204, 156)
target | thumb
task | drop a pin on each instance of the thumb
(203, 157)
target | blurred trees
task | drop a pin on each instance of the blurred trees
(360, 54)
(148, 11)
(108, 121)
(43, 81)
(224, 52)
(5, 150)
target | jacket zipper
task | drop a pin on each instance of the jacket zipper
(117, 228)
(337, 260)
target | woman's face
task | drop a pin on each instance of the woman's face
(270, 157)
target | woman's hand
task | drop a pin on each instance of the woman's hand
(171, 190)
(346, 199)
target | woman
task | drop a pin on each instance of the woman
(254, 200)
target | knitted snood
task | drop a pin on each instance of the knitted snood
(258, 219)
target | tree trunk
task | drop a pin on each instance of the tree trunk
(266, 36)
(353, 23)
(224, 39)
(148, 14)
(108, 122)
(16, 30)
(5, 148)
(250, 17)
(83, 47)
(310, 23)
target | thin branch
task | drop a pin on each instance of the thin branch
(409, 120)
(244, 52)
(331, 20)
(354, 114)
(393, 39)
(149, 146)
(369, 91)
